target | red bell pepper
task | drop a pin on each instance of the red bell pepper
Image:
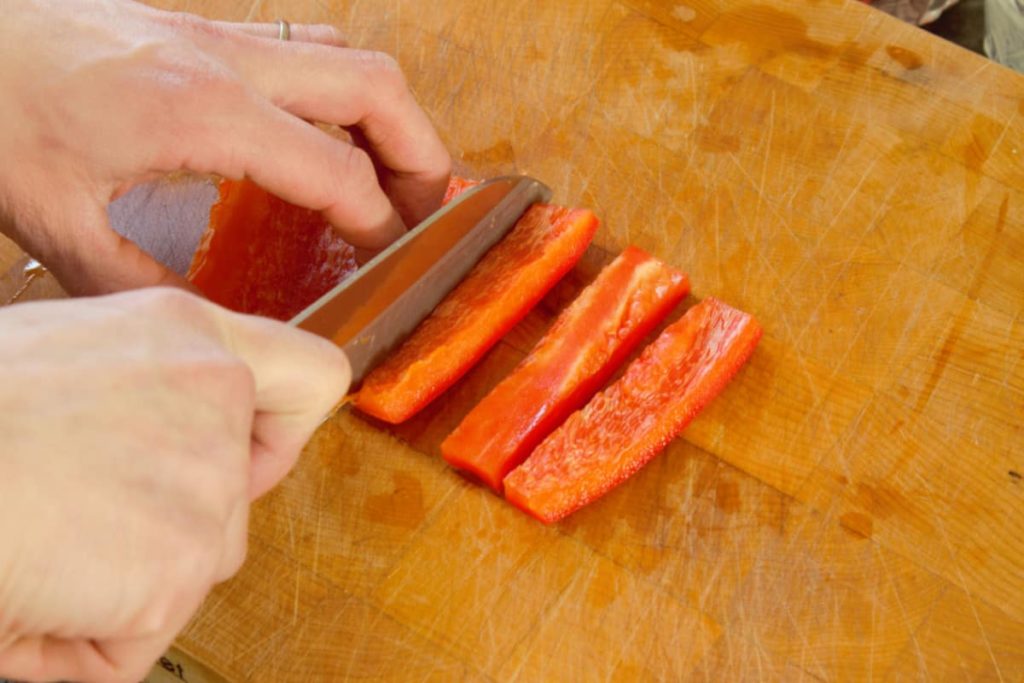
(510, 279)
(630, 422)
(264, 256)
(584, 346)
(457, 186)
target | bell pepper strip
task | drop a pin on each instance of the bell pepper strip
(630, 422)
(584, 346)
(496, 294)
(264, 256)
(457, 186)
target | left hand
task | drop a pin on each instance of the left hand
(100, 95)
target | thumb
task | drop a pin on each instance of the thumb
(87, 257)
(299, 378)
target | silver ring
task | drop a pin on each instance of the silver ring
(284, 30)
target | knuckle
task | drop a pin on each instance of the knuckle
(174, 303)
(183, 71)
(382, 69)
(181, 88)
(353, 167)
(222, 380)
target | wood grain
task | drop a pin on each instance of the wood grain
(850, 508)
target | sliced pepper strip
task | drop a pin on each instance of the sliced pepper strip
(626, 425)
(588, 341)
(510, 279)
(457, 186)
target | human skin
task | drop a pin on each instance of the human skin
(127, 469)
(136, 428)
(102, 94)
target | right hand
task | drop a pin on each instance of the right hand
(134, 431)
(98, 96)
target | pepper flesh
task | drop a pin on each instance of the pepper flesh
(626, 425)
(264, 256)
(457, 186)
(584, 346)
(502, 288)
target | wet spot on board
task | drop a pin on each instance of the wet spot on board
(941, 360)
(908, 59)
(857, 524)
(769, 32)
(500, 152)
(727, 497)
(347, 465)
(843, 481)
(881, 501)
(855, 54)
(975, 152)
(402, 507)
(981, 139)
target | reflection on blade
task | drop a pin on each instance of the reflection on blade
(369, 313)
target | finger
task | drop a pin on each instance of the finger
(354, 88)
(49, 658)
(133, 657)
(323, 34)
(38, 658)
(93, 259)
(299, 379)
(295, 161)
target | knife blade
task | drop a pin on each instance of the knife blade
(369, 313)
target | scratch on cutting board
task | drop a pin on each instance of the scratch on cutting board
(837, 159)
(926, 488)
(960, 320)
(906, 616)
(764, 166)
(837, 365)
(319, 519)
(254, 10)
(291, 530)
(853, 193)
(977, 620)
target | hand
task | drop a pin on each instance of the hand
(126, 469)
(98, 96)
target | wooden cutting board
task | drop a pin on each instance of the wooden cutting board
(852, 507)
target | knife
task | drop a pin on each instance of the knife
(369, 313)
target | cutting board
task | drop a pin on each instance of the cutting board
(850, 508)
